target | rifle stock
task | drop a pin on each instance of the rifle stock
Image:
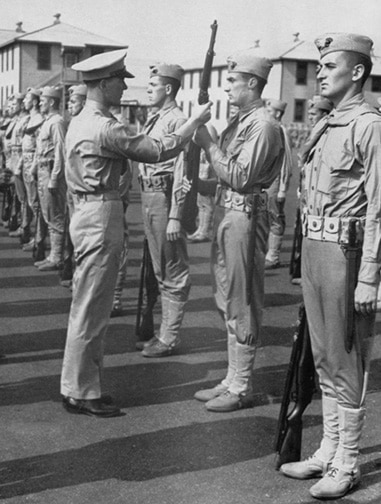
(192, 155)
(299, 386)
(296, 251)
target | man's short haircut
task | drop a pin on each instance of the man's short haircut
(261, 83)
(354, 58)
(173, 82)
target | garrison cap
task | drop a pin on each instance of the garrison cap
(167, 70)
(247, 61)
(51, 92)
(104, 66)
(18, 96)
(80, 89)
(33, 91)
(332, 42)
(277, 104)
(320, 103)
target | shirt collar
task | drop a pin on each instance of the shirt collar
(169, 106)
(244, 112)
(97, 106)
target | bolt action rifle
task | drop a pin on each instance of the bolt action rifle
(299, 388)
(144, 327)
(296, 251)
(192, 154)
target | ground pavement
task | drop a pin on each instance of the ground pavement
(166, 448)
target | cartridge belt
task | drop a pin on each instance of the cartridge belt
(156, 183)
(228, 198)
(331, 229)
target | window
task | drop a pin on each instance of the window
(43, 57)
(299, 110)
(96, 50)
(228, 110)
(7, 61)
(191, 80)
(376, 84)
(12, 58)
(70, 59)
(189, 109)
(2, 61)
(218, 107)
(219, 77)
(301, 73)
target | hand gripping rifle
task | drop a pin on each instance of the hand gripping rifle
(299, 387)
(144, 327)
(192, 155)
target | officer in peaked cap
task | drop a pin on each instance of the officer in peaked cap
(97, 146)
(247, 161)
(162, 210)
(50, 162)
(278, 189)
(343, 198)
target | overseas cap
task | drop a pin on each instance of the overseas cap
(51, 92)
(277, 104)
(167, 70)
(320, 103)
(34, 91)
(81, 90)
(332, 42)
(247, 61)
(104, 66)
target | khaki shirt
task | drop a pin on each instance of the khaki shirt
(252, 150)
(51, 146)
(15, 142)
(343, 175)
(31, 130)
(97, 145)
(167, 120)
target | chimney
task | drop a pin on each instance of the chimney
(19, 27)
(57, 18)
(296, 37)
(256, 43)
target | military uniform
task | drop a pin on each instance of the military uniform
(343, 167)
(97, 146)
(249, 160)
(161, 200)
(50, 162)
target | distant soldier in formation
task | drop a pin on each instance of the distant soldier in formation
(50, 165)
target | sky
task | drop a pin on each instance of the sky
(179, 30)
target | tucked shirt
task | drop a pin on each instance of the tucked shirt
(167, 120)
(343, 174)
(97, 146)
(31, 130)
(51, 146)
(252, 150)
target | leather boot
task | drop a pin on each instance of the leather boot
(273, 254)
(54, 260)
(211, 393)
(202, 233)
(320, 462)
(172, 317)
(240, 392)
(344, 473)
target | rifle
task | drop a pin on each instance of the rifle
(351, 253)
(144, 327)
(295, 263)
(251, 249)
(299, 387)
(192, 155)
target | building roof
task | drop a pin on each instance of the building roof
(59, 33)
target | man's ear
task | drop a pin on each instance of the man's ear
(358, 72)
(252, 82)
(168, 89)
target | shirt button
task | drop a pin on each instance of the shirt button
(331, 226)
(313, 188)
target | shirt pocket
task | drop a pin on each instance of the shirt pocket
(338, 175)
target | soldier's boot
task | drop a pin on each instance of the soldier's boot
(25, 236)
(203, 230)
(319, 463)
(206, 395)
(240, 392)
(273, 254)
(172, 317)
(54, 261)
(344, 473)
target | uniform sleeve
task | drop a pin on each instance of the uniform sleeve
(141, 147)
(58, 131)
(286, 169)
(242, 169)
(370, 145)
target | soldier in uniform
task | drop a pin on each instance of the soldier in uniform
(277, 190)
(96, 146)
(162, 207)
(247, 162)
(28, 144)
(343, 184)
(318, 107)
(50, 165)
(20, 117)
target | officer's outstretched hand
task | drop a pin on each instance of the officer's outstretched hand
(366, 298)
(201, 113)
